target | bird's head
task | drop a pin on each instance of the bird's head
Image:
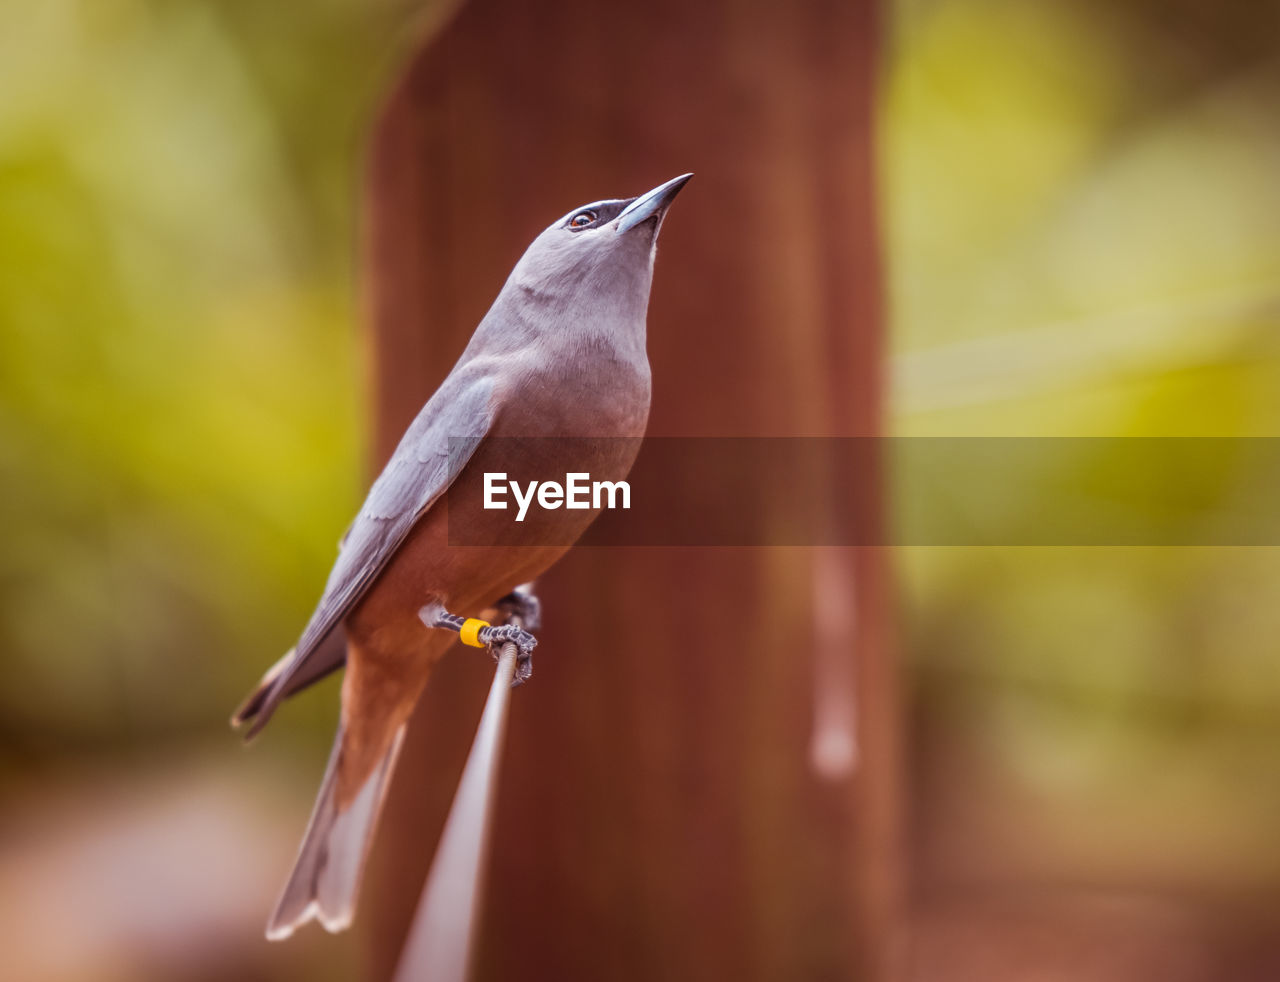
(599, 256)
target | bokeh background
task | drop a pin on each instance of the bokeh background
(1081, 233)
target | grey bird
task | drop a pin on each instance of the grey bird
(561, 353)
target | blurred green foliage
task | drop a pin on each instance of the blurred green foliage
(1084, 239)
(180, 419)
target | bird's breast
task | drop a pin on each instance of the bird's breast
(584, 391)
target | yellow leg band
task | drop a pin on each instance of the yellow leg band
(470, 628)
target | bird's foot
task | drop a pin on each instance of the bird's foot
(497, 635)
(522, 606)
(482, 634)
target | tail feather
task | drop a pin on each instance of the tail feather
(326, 877)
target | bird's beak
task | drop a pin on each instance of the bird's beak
(648, 205)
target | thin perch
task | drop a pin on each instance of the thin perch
(441, 938)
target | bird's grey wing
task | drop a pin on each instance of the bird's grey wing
(327, 657)
(431, 454)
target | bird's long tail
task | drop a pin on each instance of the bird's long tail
(326, 877)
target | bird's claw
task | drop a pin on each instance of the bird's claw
(524, 669)
(497, 635)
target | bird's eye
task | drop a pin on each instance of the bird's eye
(582, 219)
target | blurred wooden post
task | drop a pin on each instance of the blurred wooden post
(657, 816)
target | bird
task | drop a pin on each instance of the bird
(555, 378)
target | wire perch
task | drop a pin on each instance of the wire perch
(442, 936)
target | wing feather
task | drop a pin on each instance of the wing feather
(433, 451)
